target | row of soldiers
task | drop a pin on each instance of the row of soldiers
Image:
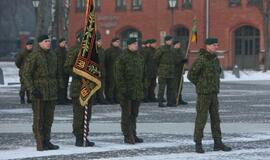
(165, 62)
(42, 78)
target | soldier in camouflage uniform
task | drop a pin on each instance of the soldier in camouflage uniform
(20, 63)
(101, 57)
(41, 78)
(144, 51)
(179, 69)
(151, 70)
(61, 53)
(111, 55)
(130, 78)
(75, 88)
(166, 61)
(204, 74)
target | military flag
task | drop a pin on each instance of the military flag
(87, 63)
(194, 36)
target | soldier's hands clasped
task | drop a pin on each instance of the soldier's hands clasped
(36, 93)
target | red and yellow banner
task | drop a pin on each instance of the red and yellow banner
(87, 63)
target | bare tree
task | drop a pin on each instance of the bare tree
(264, 7)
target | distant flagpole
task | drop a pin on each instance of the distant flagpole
(193, 38)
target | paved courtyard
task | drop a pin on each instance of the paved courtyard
(167, 132)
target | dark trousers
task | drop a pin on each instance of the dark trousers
(43, 119)
(62, 92)
(130, 111)
(207, 103)
(78, 117)
(169, 82)
(151, 88)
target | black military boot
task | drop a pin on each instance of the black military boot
(22, 101)
(160, 104)
(138, 140)
(198, 147)
(129, 139)
(181, 101)
(47, 145)
(79, 142)
(22, 97)
(220, 146)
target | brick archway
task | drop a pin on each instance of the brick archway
(246, 42)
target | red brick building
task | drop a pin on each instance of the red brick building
(237, 23)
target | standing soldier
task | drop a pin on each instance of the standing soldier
(165, 59)
(151, 67)
(144, 51)
(101, 57)
(75, 88)
(61, 53)
(111, 55)
(129, 74)
(179, 69)
(204, 74)
(20, 63)
(41, 78)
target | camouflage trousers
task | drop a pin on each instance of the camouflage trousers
(151, 88)
(169, 82)
(23, 90)
(130, 111)
(78, 117)
(207, 103)
(43, 119)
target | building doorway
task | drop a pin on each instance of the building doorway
(182, 34)
(246, 47)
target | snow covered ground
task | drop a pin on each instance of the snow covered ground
(167, 132)
(11, 75)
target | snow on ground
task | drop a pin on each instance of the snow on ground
(10, 72)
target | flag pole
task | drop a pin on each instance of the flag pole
(183, 68)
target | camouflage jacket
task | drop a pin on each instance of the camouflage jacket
(130, 76)
(41, 73)
(101, 58)
(150, 62)
(76, 82)
(204, 73)
(21, 59)
(61, 54)
(111, 55)
(166, 61)
(179, 64)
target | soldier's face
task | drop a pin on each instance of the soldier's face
(212, 48)
(116, 43)
(177, 45)
(62, 44)
(29, 47)
(45, 44)
(154, 45)
(169, 42)
(99, 43)
(133, 46)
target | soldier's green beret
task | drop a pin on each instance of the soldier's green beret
(131, 40)
(61, 40)
(175, 42)
(42, 37)
(210, 41)
(115, 39)
(98, 37)
(167, 38)
(29, 42)
(152, 40)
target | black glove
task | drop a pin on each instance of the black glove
(36, 93)
(185, 60)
